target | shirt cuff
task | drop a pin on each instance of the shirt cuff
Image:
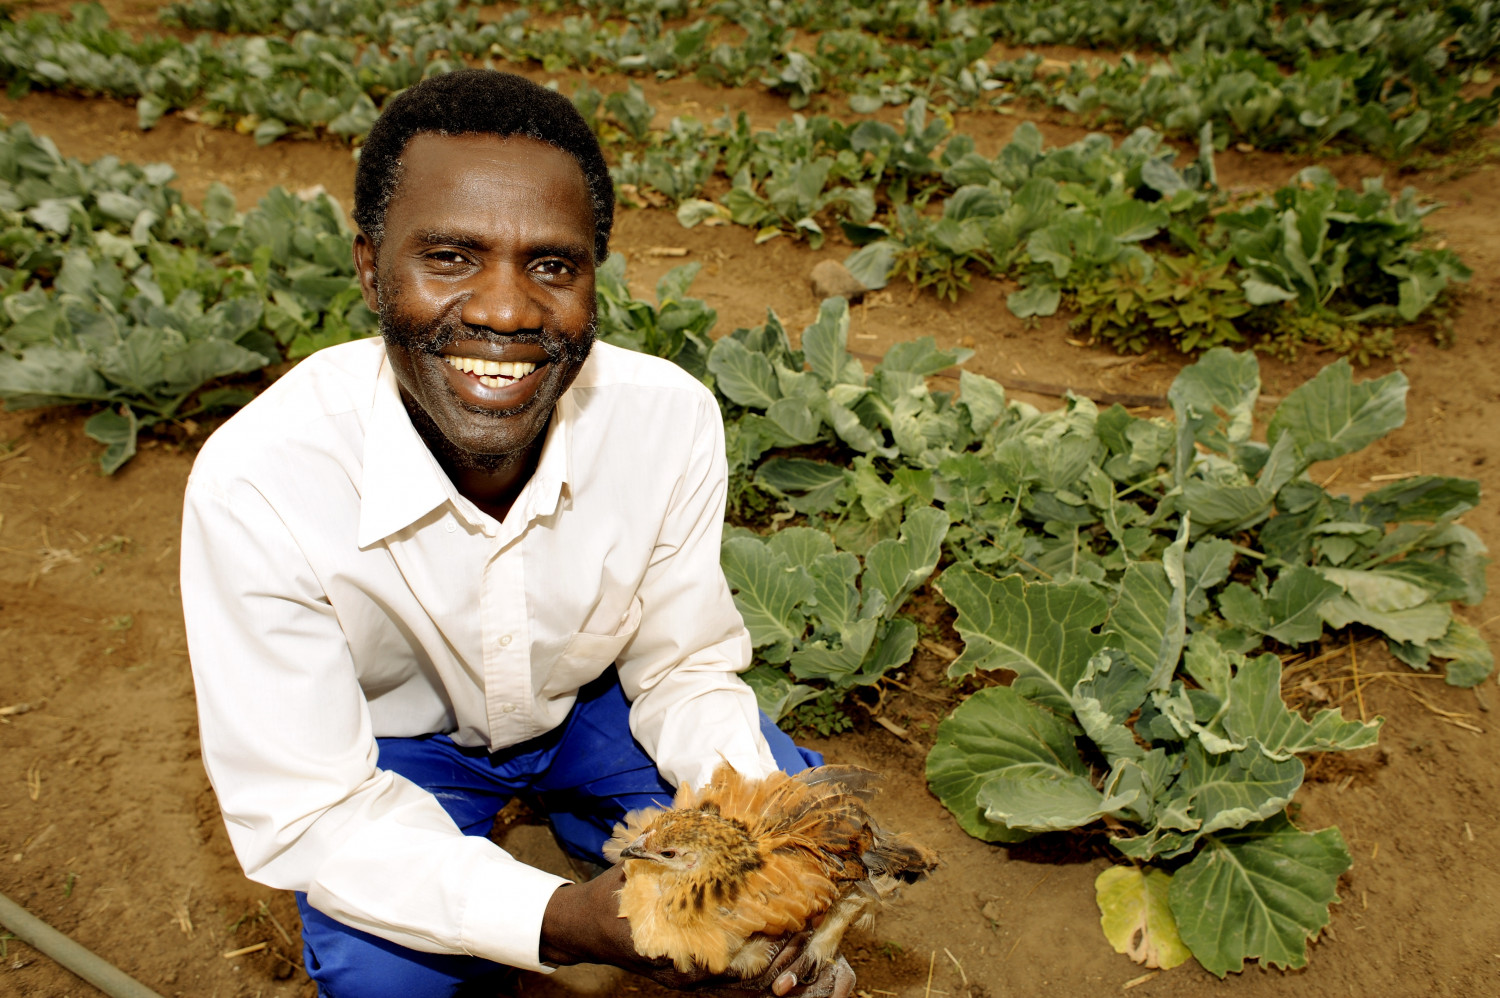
(753, 767)
(503, 917)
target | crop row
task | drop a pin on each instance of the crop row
(1419, 40)
(1465, 28)
(1140, 247)
(1390, 80)
(1144, 249)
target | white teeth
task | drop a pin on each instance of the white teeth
(492, 373)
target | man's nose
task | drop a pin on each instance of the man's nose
(503, 299)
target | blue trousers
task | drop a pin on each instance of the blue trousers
(585, 774)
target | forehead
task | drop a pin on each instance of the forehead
(486, 182)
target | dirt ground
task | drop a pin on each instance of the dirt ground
(109, 830)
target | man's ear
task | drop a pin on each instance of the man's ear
(364, 266)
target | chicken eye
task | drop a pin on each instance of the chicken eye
(669, 853)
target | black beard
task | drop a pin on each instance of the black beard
(416, 338)
(451, 456)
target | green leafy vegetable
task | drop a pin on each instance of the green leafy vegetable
(1271, 885)
(131, 298)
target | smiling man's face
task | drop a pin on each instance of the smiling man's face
(484, 282)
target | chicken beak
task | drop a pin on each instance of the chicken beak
(637, 850)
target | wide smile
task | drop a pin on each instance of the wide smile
(494, 383)
(492, 373)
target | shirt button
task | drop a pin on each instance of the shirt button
(450, 526)
(509, 708)
(504, 640)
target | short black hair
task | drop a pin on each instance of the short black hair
(470, 102)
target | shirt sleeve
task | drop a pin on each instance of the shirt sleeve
(290, 751)
(689, 708)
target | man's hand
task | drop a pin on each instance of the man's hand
(582, 924)
(787, 975)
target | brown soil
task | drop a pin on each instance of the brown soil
(109, 831)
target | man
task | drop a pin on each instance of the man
(473, 558)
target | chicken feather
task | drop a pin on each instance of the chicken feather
(738, 864)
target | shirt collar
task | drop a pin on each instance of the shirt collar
(543, 493)
(403, 482)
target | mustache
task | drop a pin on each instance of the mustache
(434, 337)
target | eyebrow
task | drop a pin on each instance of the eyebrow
(433, 237)
(571, 251)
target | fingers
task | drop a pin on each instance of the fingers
(790, 965)
(835, 981)
(791, 949)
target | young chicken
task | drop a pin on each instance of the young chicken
(741, 863)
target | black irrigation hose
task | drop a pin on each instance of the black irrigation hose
(39, 935)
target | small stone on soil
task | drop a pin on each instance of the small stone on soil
(831, 279)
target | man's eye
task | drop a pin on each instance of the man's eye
(447, 258)
(552, 268)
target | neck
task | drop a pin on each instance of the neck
(489, 481)
(494, 489)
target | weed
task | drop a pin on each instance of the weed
(1190, 301)
(821, 716)
(116, 544)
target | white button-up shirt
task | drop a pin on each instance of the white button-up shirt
(337, 588)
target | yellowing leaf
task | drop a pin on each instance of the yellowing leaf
(1136, 918)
